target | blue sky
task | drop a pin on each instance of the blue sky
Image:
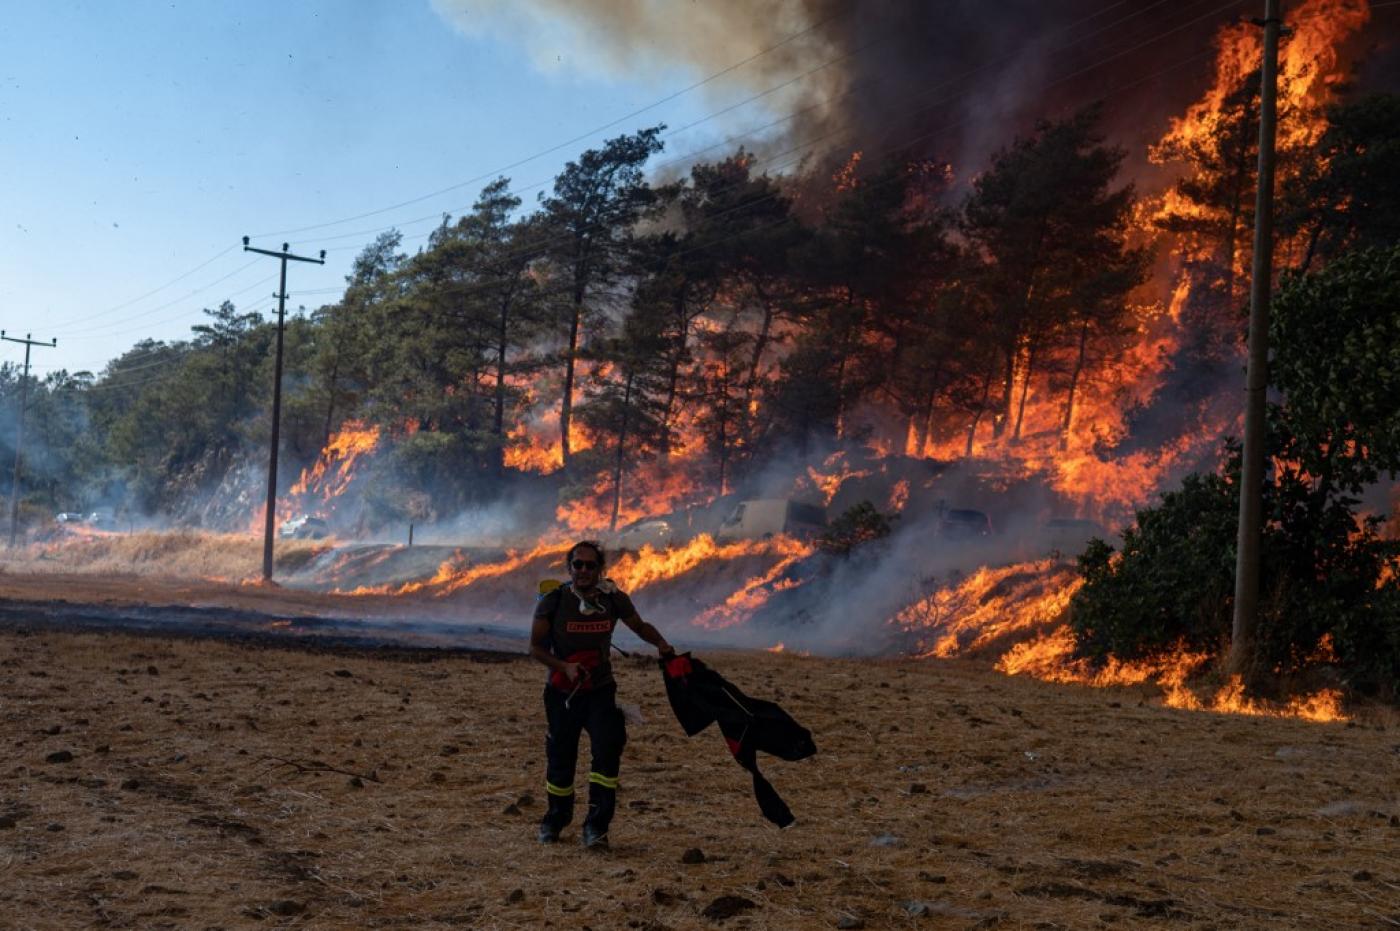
(139, 140)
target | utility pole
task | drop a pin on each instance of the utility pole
(1248, 545)
(268, 528)
(19, 432)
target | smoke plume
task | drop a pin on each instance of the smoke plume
(951, 80)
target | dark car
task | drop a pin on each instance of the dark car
(964, 524)
(104, 518)
(1067, 537)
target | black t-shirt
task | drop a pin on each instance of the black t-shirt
(575, 628)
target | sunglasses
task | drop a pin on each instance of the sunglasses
(582, 564)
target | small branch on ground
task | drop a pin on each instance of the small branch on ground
(316, 766)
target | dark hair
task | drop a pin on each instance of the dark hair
(591, 544)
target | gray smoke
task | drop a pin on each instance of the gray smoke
(952, 80)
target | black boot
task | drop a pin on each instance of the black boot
(602, 802)
(556, 818)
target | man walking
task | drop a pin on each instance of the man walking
(572, 634)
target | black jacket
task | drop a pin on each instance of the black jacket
(700, 696)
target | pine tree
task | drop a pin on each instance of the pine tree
(625, 406)
(1048, 229)
(590, 219)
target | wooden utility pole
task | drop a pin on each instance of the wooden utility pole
(19, 430)
(1243, 635)
(269, 524)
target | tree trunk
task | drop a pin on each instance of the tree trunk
(723, 435)
(683, 335)
(848, 340)
(1008, 386)
(498, 418)
(921, 422)
(566, 408)
(981, 409)
(1313, 238)
(1068, 419)
(621, 451)
(759, 345)
(1025, 390)
(330, 402)
(914, 427)
(1018, 338)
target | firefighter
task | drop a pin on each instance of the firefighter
(571, 634)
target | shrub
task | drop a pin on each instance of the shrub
(857, 526)
(1323, 574)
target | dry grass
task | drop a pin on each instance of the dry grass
(190, 554)
(201, 793)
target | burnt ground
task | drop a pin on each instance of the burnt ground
(157, 781)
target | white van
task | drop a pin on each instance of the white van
(761, 518)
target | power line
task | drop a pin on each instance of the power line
(120, 385)
(839, 132)
(255, 307)
(680, 159)
(775, 161)
(779, 165)
(159, 307)
(284, 257)
(774, 158)
(29, 343)
(569, 142)
(182, 357)
(622, 119)
(95, 334)
(849, 92)
(176, 280)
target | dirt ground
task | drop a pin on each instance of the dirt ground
(147, 589)
(177, 783)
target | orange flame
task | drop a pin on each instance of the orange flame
(452, 576)
(636, 571)
(993, 605)
(899, 495)
(829, 483)
(741, 605)
(335, 467)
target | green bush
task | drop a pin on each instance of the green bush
(1325, 575)
(1322, 574)
(856, 526)
(1172, 582)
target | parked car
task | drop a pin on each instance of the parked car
(653, 532)
(766, 517)
(304, 527)
(103, 518)
(70, 517)
(963, 524)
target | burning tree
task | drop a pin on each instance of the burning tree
(341, 377)
(1055, 270)
(1332, 594)
(721, 391)
(589, 221)
(626, 408)
(1345, 194)
(869, 272)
